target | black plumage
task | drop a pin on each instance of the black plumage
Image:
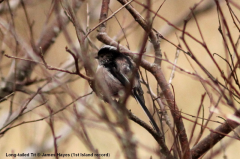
(115, 71)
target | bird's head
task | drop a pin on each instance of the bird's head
(107, 54)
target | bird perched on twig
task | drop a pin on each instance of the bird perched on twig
(114, 73)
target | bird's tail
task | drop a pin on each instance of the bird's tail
(141, 102)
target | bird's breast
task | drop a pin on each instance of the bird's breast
(107, 83)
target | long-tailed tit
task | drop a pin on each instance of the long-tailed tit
(114, 73)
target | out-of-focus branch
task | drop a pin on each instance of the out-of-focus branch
(174, 67)
(127, 144)
(24, 68)
(6, 126)
(105, 20)
(178, 21)
(9, 121)
(157, 72)
(13, 5)
(208, 142)
(84, 55)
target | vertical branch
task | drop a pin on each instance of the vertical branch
(53, 133)
(85, 56)
(103, 16)
(128, 145)
(157, 72)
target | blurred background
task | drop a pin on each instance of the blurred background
(63, 88)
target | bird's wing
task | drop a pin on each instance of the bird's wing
(124, 73)
(121, 77)
(122, 70)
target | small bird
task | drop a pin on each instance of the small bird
(115, 71)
